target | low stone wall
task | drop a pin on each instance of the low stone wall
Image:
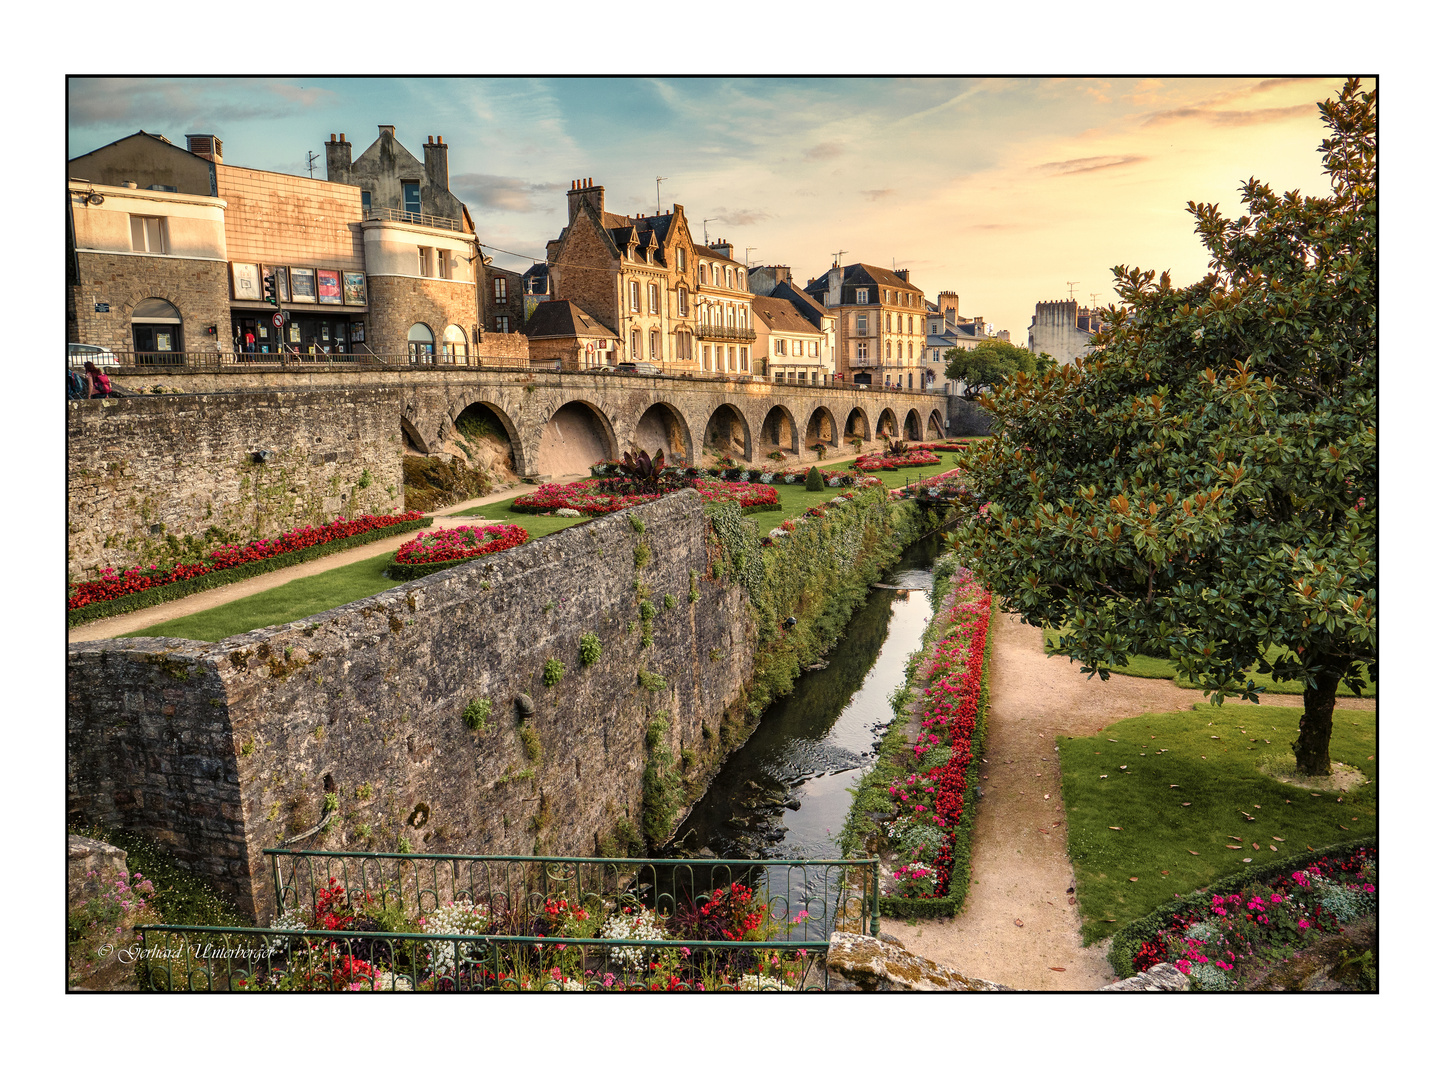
(220, 750)
(91, 864)
(965, 418)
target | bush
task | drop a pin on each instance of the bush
(589, 649)
(813, 480)
(663, 795)
(476, 714)
(554, 672)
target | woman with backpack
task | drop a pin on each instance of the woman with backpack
(98, 381)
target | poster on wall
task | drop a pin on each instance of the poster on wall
(246, 278)
(357, 329)
(302, 285)
(282, 283)
(354, 288)
(329, 286)
(294, 334)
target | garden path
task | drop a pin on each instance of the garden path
(204, 601)
(1019, 927)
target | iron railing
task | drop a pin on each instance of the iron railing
(385, 213)
(711, 332)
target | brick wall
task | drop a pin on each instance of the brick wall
(139, 468)
(290, 220)
(199, 289)
(398, 303)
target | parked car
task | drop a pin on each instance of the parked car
(637, 367)
(78, 354)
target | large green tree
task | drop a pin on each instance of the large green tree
(1204, 484)
(990, 363)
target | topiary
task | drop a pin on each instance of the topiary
(813, 480)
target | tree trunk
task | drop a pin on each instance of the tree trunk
(1312, 747)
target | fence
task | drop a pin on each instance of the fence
(485, 922)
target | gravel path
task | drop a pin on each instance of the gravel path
(1020, 866)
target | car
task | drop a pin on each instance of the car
(78, 354)
(637, 367)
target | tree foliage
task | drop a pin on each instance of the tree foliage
(1204, 484)
(989, 364)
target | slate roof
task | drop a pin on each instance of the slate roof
(781, 316)
(562, 319)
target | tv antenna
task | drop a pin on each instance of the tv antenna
(310, 158)
(747, 256)
(1093, 298)
(706, 226)
(657, 193)
(1072, 285)
(839, 255)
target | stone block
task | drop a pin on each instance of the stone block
(860, 962)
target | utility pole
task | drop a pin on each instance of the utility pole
(310, 158)
(657, 193)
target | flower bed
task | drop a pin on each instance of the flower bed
(1219, 935)
(772, 475)
(910, 459)
(116, 593)
(429, 553)
(599, 496)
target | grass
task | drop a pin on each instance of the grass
(1211, 763)
(537, 525)
(1156, 667)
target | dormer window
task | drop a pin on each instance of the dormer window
(862, 296)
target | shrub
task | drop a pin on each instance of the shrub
(662, 793)
(530, 740)
(476, 715)
(554, 672)
(813, 480)
(651, 681)
(589, 649)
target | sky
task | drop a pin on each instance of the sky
(1005, 190)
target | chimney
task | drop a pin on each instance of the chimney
(205, 146)
(387, 131)
(903, 275)
(437, 163)
(723, 247)
(583, 191)
(832, 286)
(337, 160)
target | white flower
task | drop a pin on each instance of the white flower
(766, 477)
(761, 982)
(834, 481)
(567, 511)
(778, 533)
(457, 917)
(837, 500)
(641, 925)
(567, 984)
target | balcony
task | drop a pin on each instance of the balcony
(723, 333)
(429, 221)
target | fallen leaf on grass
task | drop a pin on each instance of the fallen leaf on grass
(1314, 794)
(1116, 828)
(1345, 827)
(1047, 796)
(1274, 848)
(1134, 879)
(1174, 785)
(1257, 806)
(1192, 852)
(1070, 901)
(1279, 838)
(1057, 969)
(1104, 776)
(1235, 847)
(1019, 923)
(1164, 873)
(1256, 846)
(1237, 838)
(1245, 860)
(1184, 804)
(1114, 740)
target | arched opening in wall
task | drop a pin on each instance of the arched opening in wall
(936, 427)
(661, 427)
(857, 425)
(155, 330)
(912, 426)
(887, 427)
(727, 434)
(822, 429)
(778, 432)
(487, 440)
(454, 349)
(575, 437)
(420, 343)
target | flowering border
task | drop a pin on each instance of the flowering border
(234, 563)
(429, 553)
(586, 497)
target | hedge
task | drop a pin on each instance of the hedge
(901, 907)
(150, 597)
(1127, 941)
(398, 571)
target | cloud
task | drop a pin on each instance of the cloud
(741, 217)
(1087, 164)
(505, 192)
(158, 104)
(875, 194)
(824, 151)
(1231, 117)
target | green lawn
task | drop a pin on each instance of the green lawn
(537, 525)
(1155, 667)
(1194, 797)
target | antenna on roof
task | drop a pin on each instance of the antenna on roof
(839, 255)
(1072, 285)
(1093, 297)
(706, 226)
(747, 256)
(657, 193)
(310, 158)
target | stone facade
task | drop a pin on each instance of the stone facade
(221, 750)
(398, 303)
(1063, 329)
(140, 468)
(502, 300)
(198, 288)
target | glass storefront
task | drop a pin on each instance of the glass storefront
(306, 334)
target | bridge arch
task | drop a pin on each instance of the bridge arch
(727, 432)
(572, 438)
(887, 426)
(778, 431)
(914, 429)
(411, 437)
(822, 428)
(935, 429)
(663, 426)
(487, 416)
(857, 425)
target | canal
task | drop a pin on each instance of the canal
(786, 793)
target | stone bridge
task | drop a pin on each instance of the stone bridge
(552, 417)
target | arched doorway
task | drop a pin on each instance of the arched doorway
(575, 437)
(454, 347)
(661, 427)
(727, 434)
(936, 428)
(420, 343)
(822, 429)
(857, 425)
(887, 427)
(778, 432)
(912, 426)
(155, 329)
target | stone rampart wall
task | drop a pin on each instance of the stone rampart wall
(220, 750)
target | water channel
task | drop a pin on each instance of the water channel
(786, 793)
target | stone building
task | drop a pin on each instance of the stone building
(393, 180)
(881, 322)
(635, 276)
(505, 299)
(559, 330)
(1063, 329)
(788, 350)
(723, 308)
(186, 267)
(947, 329)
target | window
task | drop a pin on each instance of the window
(732, 366)
(779, 346)
(910, 351)
(411, 190)
(814, 348)
(634, 296)
(912, 380)
(654, 298)
(911, 324)
(887, 322)
(700, 273)
(682, 301)
(705, 361)
(934, 328)
(729, 281)
(446, 267)
(744, 358)
(500, 288)
(740, 278)
(502, 323)
(147, 234)
(797, 349)
(365, 203)
(453, 341)
(887, 350)
(730, 316)
(424, 254)
(862, 296)
(634, 344)
(862, 324)
(680, 259)
(654, 344)
(862, 350)
(421, 342)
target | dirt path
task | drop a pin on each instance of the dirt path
(204, 601)
(1020, 866)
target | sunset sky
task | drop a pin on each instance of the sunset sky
(1002, 189)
